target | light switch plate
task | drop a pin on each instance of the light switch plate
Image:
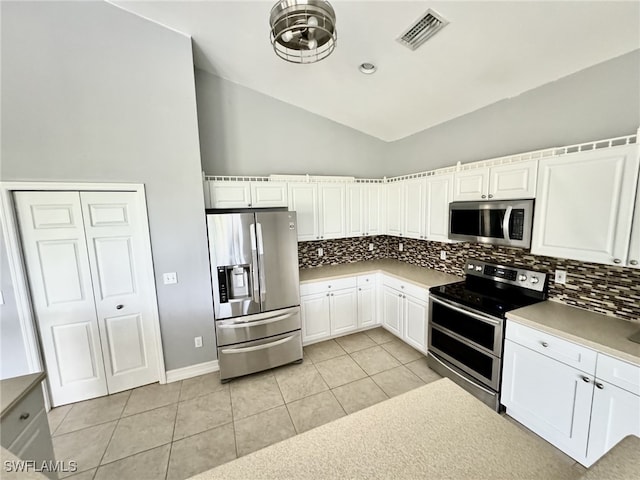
(561, 277)
(170, 278)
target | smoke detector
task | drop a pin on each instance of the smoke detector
(422, 29)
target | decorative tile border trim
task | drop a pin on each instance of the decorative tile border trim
(613, 291)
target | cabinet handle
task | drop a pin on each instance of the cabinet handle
(544, 344)
(403, 296)
(332, 294)
(119, 307)
(24, 416)
(599, 385)
(317, 238)
(321, 236)
(586, 379)
(400, 295)
(327, 294)
(617, 260)
(633, 262)
(249, 204)
(484, 196)
(490, 196)
(359, 289)
(401, 286)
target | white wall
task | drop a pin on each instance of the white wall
(244, 132)
(91, 93)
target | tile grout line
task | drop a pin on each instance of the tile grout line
(173, 432)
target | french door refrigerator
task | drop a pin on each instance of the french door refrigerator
(254, 271)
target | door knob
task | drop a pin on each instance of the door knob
(119, 307)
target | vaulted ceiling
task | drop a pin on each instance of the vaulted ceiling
(488, 52)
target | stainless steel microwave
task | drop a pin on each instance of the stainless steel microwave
(499, 222)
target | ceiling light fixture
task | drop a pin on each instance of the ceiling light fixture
(367, 68)
(303, 31)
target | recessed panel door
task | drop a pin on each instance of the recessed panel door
(119, 259)
(57, 262)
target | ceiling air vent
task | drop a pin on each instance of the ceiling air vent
(422, 30)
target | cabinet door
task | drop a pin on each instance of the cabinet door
(356, 208)
(614, 415)
(230, 194)
(303, 199)
(395, 208)
(269, 194)
(414, 199)
(366, 306)
(34, 443)
(584, 205)
(344, 311)
(513, 181)
(392, 310)
(316, 320)
(471, 184)
(331, 197)
(634, 245)
(439, 193)
(415, 326)
(375, 209)
(548, 397)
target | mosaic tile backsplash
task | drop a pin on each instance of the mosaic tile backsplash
(604, 289)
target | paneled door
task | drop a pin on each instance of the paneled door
(86, 261)
(118, 253)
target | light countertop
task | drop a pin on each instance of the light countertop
(437, 431)
(421, 276)
(600, 332)
(12, 390)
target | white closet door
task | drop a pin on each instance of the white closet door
(120, 263)
(54, 246)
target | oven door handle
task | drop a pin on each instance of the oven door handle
(259, 347)
(460, 309)
(468, 380)
(505, 223)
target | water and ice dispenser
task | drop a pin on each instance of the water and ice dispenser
(234, 282)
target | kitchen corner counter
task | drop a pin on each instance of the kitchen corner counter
(600, 332)
(421, 276)
(12, 390)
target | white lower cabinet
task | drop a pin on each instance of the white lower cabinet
(405, 309)
(582, 411)
(343, 311)
(392, 310)
(367, 301)
(316, 323)
(415, 325)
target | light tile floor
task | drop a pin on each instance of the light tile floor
(183, 428)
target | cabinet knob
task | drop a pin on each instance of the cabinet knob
(401, 286)
(400, 295)
(403, 296)
(586, 379)
(249, 204)
(599, 385)
(359, 289)
(544, 344)
(484, 196)
(321, 236)
(24, 416)
(617, 260)
(119, 307)
(633, 262)
(490, 196)
(332, 294)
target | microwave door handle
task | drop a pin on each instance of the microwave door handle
(505, 223)
(255, 292)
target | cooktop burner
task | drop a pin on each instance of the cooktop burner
(495, 289)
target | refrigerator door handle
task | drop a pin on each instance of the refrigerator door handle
(255, 289)
(261, 267)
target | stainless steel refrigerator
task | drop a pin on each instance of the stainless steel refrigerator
(254, 271)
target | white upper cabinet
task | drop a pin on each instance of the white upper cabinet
(511, 181)
(226, 194)
(356, 209)
(633, 260)
(375, 209)
(439, 192)
(584, 205)
(332, 215)
(303, 199)
(238, 194)
(395, 208)
(269, 194)
(414, 213)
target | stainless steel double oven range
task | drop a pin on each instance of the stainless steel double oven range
(466, 324)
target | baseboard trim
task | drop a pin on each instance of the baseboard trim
(192, 371)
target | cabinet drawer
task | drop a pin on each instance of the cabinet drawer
(34, 442)
(327, 285)
(619, 373)
(554, 347)
(12, 424)
(366, 280)
(406, 287)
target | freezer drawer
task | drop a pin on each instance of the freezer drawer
(250, 357)
(254, 327)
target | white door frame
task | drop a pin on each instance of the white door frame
(18, 271)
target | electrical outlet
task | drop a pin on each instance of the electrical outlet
(198, 341)
(371, 247)
(320, 252)
(400, 247)
(561, 277)
(170, 278)
(443, 255)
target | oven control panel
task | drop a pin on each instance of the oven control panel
(530, 279)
